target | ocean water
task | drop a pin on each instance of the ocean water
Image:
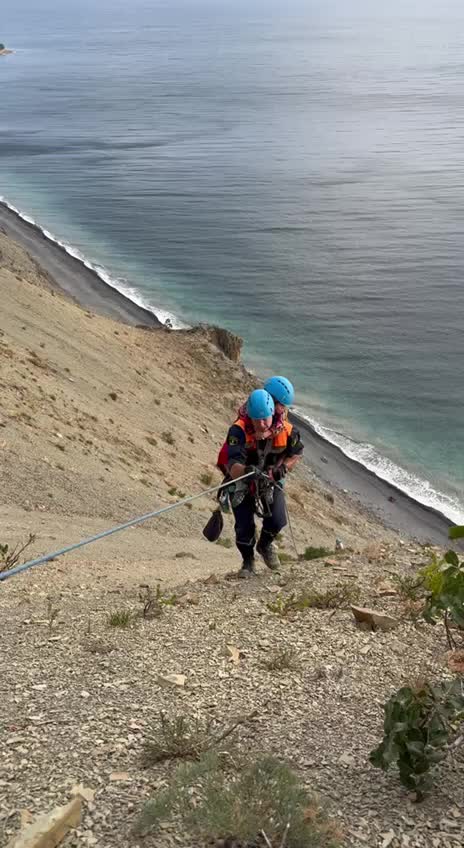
(293, 172)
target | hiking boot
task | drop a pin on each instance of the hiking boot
(269, 555)
(247, 570)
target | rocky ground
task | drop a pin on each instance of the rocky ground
(100, 422)
(80, 697)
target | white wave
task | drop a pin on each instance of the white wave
(121, 285)
(415, 487)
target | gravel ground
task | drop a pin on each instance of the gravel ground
(79, 697)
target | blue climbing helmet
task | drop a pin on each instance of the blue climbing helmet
(281, 390)
(260, 405)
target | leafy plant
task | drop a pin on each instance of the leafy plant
(262, 800)
(10, 558)
(153, 603)
(336, 597)
(168, 437)
(444, 582)
(419, 724)
(316, 553)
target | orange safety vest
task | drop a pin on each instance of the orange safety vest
(279, 442)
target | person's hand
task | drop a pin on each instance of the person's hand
(252, 470)
(278, 473)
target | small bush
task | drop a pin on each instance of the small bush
(52, 613)
(283, 659)
(224, 543)
(168, 437)
(316, 553)
(186, 738)
(153, 603)
(339, 596)
(206, 479)
(10, 558)
(113, 396)
(177, 738)
(419, 724)
(119, 618)
(264, 797)
(172, 491)
(409, 587)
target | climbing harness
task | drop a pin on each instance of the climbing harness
(5, 575)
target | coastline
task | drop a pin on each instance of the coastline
(70, 275)
(388, 504)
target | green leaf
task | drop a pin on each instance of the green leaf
(456, 532)
(377, 758)
(416, 748)
(452, 558)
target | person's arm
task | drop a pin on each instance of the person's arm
(237, 454)
(293, 454)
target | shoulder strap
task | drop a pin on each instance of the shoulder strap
(262, 454)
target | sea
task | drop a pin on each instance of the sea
(291, 171)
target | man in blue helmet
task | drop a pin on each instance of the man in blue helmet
(259, 448)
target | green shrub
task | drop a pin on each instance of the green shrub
(153, 603)
(336, 597)
(261, 797)
(444, 583)
(419, 723)
(119, 618)
(316, 553)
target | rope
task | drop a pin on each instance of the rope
(290, 527)
(5, 575)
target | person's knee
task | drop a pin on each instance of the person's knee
(275, 525)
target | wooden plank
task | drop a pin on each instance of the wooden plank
(49, 829)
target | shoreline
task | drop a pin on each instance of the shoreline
(388, 504)
(403, 513)
(77, 280)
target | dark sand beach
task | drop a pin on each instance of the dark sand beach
(70, 275)
(394, 508)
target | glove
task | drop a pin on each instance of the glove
(279, 473)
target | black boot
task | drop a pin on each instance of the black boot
(247, 570)
(268, 551)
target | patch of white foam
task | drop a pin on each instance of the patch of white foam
(121, 285)
(415, 487)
